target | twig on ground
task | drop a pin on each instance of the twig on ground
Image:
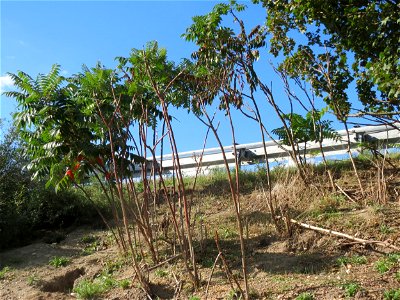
(228, 271)
(164, 262)
(212, 272)
(344, 193)
(343, 235)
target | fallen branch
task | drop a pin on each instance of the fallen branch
(228, 271)
(343, 235)
(212, 272)
(344, 193)
(164, 262)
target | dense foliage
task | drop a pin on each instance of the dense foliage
(26, 206)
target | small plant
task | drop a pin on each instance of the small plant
(352, 260)
(86, 289)
(3, 272)
(387, 263)
(89, 239)
(125, 284)
(161, 273)
(112, 266)
(397, 275)
(59, 261)
(107, 281)
(33, 280)
(91, 248)
(385, 229)
(234, 295)
(228, 233)
(206, 262)
(91, 242)
(382, 266)
(305, 296)
(391, 295)
(194, 298)
(351, 289)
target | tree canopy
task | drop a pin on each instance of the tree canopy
(346, 41)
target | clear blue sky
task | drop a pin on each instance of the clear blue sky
(37, 34)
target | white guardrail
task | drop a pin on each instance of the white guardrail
(254, 152)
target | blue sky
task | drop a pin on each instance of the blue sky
(37, 34)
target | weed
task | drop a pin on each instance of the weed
(382, 266)
(33, 280)
(89, 239)
(352, 260)
(3, 272)
(387, 263)
(161, 273)
(351, 289)
(391, 295)
(394, 257)
(194, 298)
(86, 289)
(385, 229)
(228, 233)
(107, 281)
(59, 261)
(91, 248)
(397, 275)
(112, 266)
(91, 242)
(125, 284)
(305, 296)
(234, 295)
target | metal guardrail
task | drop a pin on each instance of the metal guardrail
(254, 152)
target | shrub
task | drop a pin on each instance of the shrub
(305, 296)
(88, 290)
(27, 206)
(392, 295)
(59, 261)
(351, 289)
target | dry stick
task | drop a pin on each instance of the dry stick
(344, 193)
(198, 168)
(212, 272)
(228, 271)
(178, 287)
(341, 117)
(103, 218)
(270, 99)
(343, 235)
(260, 123)
(311, 100)
(164, 262)
(352, 159)
(237, 204)
(119, 185)
(177, 167)
(234, 194)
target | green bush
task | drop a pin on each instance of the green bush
(27, 206)
(392, 295)
(59, 261)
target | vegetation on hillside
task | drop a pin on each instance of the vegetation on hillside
(91, 130)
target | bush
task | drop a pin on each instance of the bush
(26, 206)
